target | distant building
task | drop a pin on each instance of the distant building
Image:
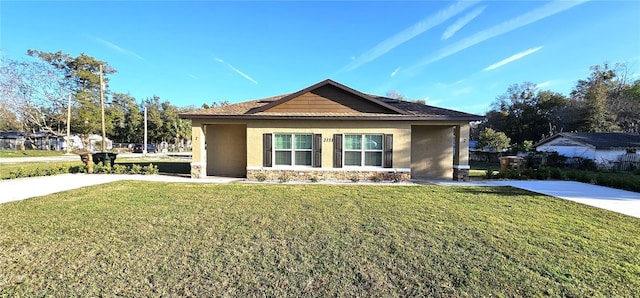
(605, 148)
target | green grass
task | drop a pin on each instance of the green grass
(29, 153)
(159, 239)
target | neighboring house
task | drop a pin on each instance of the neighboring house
(330, 131)
(604, 148)
(28, 140)
(12, 140)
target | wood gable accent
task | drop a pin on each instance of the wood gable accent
(328, 97)
(311, 103)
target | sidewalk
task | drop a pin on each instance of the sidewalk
(24, 188)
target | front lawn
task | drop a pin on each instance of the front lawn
(168, 239)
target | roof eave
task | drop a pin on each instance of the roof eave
(299, 117)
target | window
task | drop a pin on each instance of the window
(293, 149)
(363, 150)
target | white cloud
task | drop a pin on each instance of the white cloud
(465, 90)
(543, 85)
(408, 33)
(242, 74)
(395, 72)
(535, 15)
(117, 48)
(191, 76)
(461, 22)
(512, 58)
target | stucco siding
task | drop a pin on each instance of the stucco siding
(401, 137)
(226, 150)
(431, 152)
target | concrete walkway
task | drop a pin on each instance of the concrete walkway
(621, 201)
(24, 188)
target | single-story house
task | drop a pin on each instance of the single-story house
(332, 132)
(604, 148)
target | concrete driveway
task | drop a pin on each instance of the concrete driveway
(616, 200)
(621, 201)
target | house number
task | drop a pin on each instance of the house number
(327, 140)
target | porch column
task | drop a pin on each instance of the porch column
(198, 151)
(461, 155)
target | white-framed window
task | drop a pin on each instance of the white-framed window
(293, 149)
(363, 150)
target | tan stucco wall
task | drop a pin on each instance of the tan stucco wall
(226, 150)
(432, 155)
(400, 130)
(198, 152)
(462, 142)
(432, 152)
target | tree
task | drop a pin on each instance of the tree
(154, 119)
(525, 114)
(126, 119)
(81, 77)
(595, 93)
(33, 95)
(394, 94)
(8, 120)
(495, 141)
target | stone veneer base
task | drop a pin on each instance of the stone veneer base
(460, 174)
(196, 171)
(310, 175)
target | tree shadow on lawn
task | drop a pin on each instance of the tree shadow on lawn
(496, 190)
(171, 168)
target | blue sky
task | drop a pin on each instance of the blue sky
(458, 55)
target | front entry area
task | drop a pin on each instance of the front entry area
(226, 146)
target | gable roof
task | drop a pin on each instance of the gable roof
(324, 83)
(375, 108)
(599, 140)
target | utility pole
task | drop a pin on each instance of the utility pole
(144, 149)
(104, 136)
(69, 125)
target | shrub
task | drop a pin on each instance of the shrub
(489, 174)
(119, 169)
(512, 174)
(136, 169)
(314, 179)
(284, 177)
(354, 178)
(588, 165)
(261, 177)
(557, 174)
(101, 168)
(77, 169)
(376, 178)
(555, 160)
(149, 170)
(396, 177)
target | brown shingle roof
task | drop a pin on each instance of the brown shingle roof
(599, 140)
(258, 109)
